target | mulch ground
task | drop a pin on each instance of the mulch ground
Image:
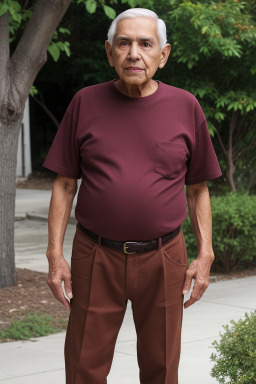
(37, 180)
(31, 294)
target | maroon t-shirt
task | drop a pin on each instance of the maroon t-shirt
(134, 156)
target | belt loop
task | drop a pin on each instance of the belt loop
(99, 241)
(159, 243)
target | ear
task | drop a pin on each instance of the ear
(109, 53)
(164, 55)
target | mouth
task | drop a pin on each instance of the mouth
(133, 69)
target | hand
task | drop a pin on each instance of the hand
(59, 271)
(199, 270)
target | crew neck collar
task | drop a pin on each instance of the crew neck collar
(137, 100)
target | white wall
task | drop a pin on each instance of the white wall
(24, 167)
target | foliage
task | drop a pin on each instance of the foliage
(91, 6)
(57, 46)
(20, 13)
(33, 91)
(234, 231)
(214, 58)
(235, 357)
(217, 27)
(32, 325)
(19, 17)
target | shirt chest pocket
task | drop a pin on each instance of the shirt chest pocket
(170, 159)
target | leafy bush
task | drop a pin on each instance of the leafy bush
(235, 360)
(32, 325)
(234, 231)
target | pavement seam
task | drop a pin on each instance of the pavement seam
(227, 305)
(195, 341)
(126, 341)
(125, 353)
(32, 374)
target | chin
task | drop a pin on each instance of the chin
(133, 79)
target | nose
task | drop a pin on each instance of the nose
(134, 53)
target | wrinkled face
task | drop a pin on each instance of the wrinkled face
(136, 53)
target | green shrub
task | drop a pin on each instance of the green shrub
(235, 360)
(32, 325)
(234, 231)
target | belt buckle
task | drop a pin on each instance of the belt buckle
(126, 246)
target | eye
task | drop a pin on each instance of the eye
(146, 44)
(123, 43)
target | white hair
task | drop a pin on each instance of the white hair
(139, 12)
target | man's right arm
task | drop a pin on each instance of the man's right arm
(63, 193)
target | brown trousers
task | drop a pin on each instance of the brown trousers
(103, 279)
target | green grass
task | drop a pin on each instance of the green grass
(32, 325)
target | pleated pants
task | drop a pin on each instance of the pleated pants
(103, 279)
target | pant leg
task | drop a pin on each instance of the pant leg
(157, 304)
(97, 310)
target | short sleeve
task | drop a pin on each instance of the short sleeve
(63, 156)
(203, 163)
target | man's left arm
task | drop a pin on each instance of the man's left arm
(198, 200)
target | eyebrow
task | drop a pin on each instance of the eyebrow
(141, 39)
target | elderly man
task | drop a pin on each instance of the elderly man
(135, 142)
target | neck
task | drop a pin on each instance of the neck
(136, 90)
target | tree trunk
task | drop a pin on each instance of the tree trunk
(230, 160)
(229, 151)
(230, 172)
(8, 157)
(17, 75)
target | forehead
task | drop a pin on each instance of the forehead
(136, 28)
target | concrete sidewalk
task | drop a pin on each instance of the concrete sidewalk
(41, 360)
(34, 204)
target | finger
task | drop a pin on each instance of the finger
(189, 302)
(68, 287)
(197, 292)
(193, 298)
(188, 281)
(57, 291)
(200, 287)
(61, 297)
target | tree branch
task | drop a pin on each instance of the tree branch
(245, 128)
(4, 46)
(26, 4)
(252, 179)
(253, 124)
(47, 111)
(241, 130)
(245, 149)
(232, 126)
(230, 160)
(7, 108)
(31, 52)
(222, 144)
(239, 154)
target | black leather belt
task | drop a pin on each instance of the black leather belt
(131, 247)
